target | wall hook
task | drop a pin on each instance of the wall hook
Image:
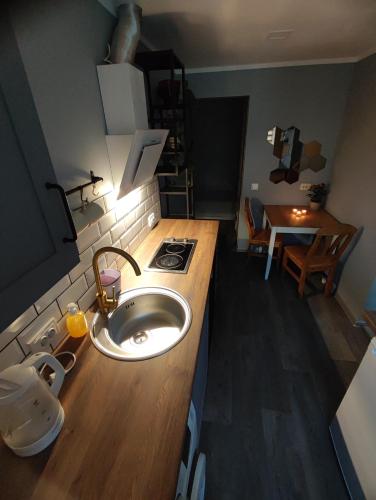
(93, 180)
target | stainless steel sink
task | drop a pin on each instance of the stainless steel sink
(147, 322)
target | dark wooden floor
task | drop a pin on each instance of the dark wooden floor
(272, 389)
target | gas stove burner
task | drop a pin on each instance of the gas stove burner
(169, 261)
(175, 248)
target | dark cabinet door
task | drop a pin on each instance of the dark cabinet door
(33, 220)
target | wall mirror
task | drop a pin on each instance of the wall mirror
(293, 155)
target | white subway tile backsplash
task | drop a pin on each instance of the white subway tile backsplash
(148, 204)
(87, 299)
(113, 265)
(52, 311)
(107, 221)
(73, 293)
(62, 326)
(87, 237)
(127, 204)
(125, 224)
(52, 293)
(118, 230)
(134, 244)
(101, 203)
(156, 208)
(125, 239)
(130, 219)
(89, 274)
(143, 233)
(17, 326)
(143, 194)
(137, 227)
(111, 256)
(110, 201)
(140, 210)
(61, 332)
(11, 355)
(105, 241)
(86, 259)
(144, 219)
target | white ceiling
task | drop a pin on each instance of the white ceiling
(217, 33)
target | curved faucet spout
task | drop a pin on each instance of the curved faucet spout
(105, 303)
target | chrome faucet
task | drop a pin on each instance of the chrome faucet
(105, 303)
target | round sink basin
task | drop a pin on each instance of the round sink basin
(147, 322)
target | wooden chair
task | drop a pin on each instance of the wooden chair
(260, 238)
(323, 255)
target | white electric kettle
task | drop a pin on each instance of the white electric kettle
(31, 416)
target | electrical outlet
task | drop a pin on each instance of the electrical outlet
(254, 187)
(151, 219)
(304, 186)
(39, 341)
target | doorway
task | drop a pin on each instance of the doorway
(219, 133)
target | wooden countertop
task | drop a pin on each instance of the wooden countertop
(125, 421)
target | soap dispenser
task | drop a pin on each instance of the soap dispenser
(76, 322)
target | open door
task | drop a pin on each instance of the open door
(218, 152)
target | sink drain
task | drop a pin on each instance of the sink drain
(140, 338)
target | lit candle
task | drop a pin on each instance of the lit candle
(304, 211)
(298, 213)
(294, 210)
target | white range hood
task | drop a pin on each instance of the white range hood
(134, 149)
(134, 157)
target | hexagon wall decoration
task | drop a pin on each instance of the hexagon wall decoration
(294, 157)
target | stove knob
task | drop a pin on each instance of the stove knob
(185, 240)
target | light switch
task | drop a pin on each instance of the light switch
(304, 186)
(254, 187)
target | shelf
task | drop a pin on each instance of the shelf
(170, 114)
(169, 170)
(175, 190)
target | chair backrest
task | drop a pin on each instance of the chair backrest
(248, 218)
(331, 241)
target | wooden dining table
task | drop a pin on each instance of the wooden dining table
(282, 219)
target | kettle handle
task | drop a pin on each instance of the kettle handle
(41, 358)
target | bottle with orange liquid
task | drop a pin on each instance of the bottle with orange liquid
(76, 322)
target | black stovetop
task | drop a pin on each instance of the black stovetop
(173, 256)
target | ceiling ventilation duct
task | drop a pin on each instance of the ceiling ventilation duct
(127, 34)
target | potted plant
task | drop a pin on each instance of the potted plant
(316, 194)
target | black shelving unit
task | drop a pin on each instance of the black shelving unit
(174, 170)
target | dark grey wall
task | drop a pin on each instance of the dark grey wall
(353, 192)
(312, 98)
(61, 43)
